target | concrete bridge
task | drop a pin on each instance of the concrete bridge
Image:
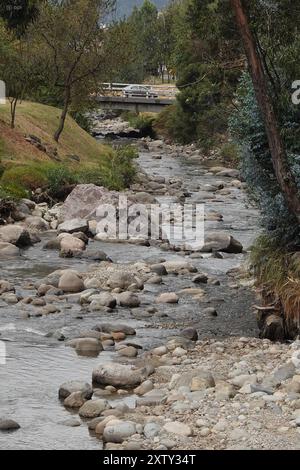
(138, 105)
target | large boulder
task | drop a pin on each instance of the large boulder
(16, 235)
(221, 241)
(119, 375)
(84, 200)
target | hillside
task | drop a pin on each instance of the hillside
(124, 7)
(41, 121)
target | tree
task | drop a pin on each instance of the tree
(281, 166)
(19, 69)
(18, 14)
(70, 34)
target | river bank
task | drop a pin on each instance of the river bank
(129, 300)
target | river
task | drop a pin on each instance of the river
(37, 363)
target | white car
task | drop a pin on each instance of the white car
(140, 91)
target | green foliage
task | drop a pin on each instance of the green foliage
(247, 128)
(19, 13)
(57, 177)
(205, 54)
(229, 153)
(12, 191)
(145, 123)
(29, 177)
(119, 170)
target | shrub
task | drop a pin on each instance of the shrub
(29, 177)
(145, 123)
(57, 177)
(118, 170)
(229, 153)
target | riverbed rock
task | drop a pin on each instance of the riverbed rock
(197, 379)
(71, 282)
(36, 223)
(115, 328)
(8, 425)
(200, 278)
(128, 299)
(93, 408)
(119, 375)
(5, 287)
(178, 428)
(145, 387)
(75, 386)
(8, 250)
(118, 431)
(88, 346)
(73, 225)
(159, 269)
(128, 351)
(121, 280)
(189, 333)
(70, 245)
(221, 241)
(104, 299)
(167, 298)
(178, 266)
(16, 235)
(74, 400)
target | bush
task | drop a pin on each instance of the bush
(57, 177)
(145, 123)
(118, 170)
(229, 153)
(29, 177)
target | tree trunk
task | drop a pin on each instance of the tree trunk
(13, 106)
(283, 173)
(64, 113)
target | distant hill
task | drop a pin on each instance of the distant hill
(124, 7)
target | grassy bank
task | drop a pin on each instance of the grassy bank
(41, 121)
(78, 157)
